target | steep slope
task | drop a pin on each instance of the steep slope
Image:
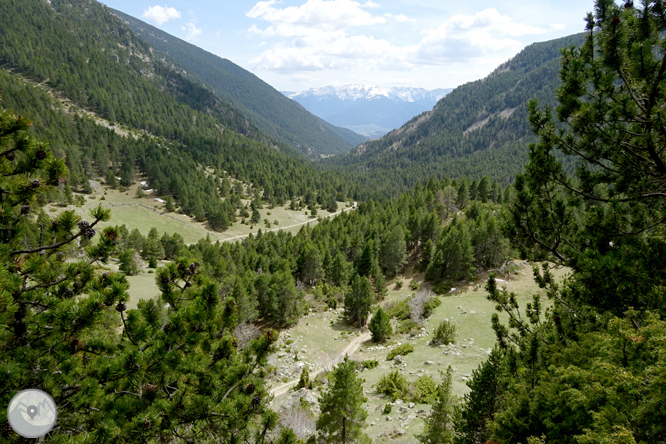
(266, 107)
(369, 110)
(64, 60)
(478, 129)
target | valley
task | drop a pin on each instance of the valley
(189, 255)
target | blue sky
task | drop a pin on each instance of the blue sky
(300, 44)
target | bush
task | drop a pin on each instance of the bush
(398, 285)
(442, 287)
(388, 408)
(425, 390)
(393, 384)
(407, 326)
(445, 333)
(414, 286)
(430, 306)
(367, 365)
(304, 381)
(398, 310)
(396, 386)
(401, 350)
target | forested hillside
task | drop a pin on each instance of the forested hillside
(263, 105)
(64, 59)
(478, 129)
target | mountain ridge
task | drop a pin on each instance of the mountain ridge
(265, 107)
(480, 128)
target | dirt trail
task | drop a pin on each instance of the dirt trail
(349, 350)
(243, 236)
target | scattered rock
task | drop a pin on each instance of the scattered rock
(389, 419)
(399, 432)
(411, 405)
(428, 363)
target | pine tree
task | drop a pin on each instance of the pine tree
(358, 301)
(342, 416)
(393, 251)
(438, 428)
(378, 279)
(380, 326)
(171, 370)
(480, 404)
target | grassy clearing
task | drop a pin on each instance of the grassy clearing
(145, 213)
(467, 308)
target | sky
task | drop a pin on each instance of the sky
(296, 45)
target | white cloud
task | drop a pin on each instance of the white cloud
(321, 15)
(402, 18)
(191, 31)
(330, 35)
(557, 26)
(465, 37)
(161, 14)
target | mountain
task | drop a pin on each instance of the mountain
(265, 107)
(478, 129)
(112, 106)
(369, 110)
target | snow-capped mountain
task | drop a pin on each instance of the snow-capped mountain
(369, 110)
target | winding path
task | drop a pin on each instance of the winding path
(349, 350)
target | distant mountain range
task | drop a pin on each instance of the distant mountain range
(368, 110)
(263, 105)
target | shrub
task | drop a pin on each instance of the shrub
(393, 384)
(396, 386)
(442, 287)
(304, 381)
(425, 390)
(398, 310)
(430, 306)
(367, 365)
(445, 333)
(398, 285)
(407, 326)
(414, 286)
(387, 408)
(401, 350)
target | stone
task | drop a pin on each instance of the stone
(389, 419)
(411, 405)
(428, 363)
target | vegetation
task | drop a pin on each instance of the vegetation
(380, 326)
(400, 350)
(445, 333)
(171, 128)
(343, 418)
(439, 424)
(269, 110)
(587, 371)
(396, 386)
(172, 372)
(479, 129)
